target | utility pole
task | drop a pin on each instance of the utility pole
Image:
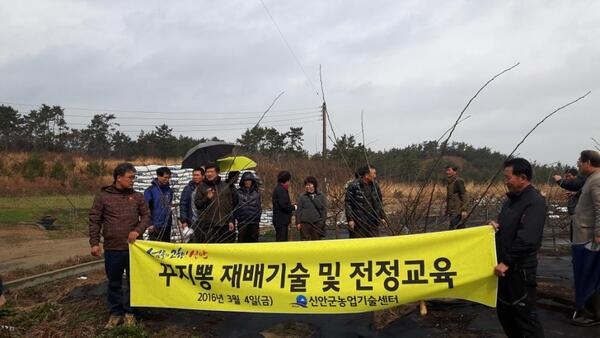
(324, 155)
(324, 111)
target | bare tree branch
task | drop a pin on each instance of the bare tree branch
(266, 111)
(477, 201)
(596, 144)
(445, 142)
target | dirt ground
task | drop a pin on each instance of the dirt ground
(26, 246)
(76, 307)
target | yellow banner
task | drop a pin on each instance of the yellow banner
(330, 276)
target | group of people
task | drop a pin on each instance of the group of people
(218, 211)
(212, 207)
(519, 231)
(215, 209)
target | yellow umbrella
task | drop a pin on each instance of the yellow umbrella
(236, 163)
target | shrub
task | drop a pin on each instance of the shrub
(58, 171)
(3, 169)
(95, 169)
(75, 183)
(33, 167)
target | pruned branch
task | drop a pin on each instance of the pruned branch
(445, 142)
(596, 144)
(266, 111)
(517, 147)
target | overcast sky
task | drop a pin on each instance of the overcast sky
(209, 68)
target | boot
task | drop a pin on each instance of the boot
(129, 320)
(113, 321)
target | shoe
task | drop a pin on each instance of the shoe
(113, 321)
(585, 321)
(129, 320)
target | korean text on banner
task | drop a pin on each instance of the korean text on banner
(329, 276)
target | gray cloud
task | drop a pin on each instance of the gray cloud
(410, 65)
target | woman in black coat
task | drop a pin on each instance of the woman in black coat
(282, 206)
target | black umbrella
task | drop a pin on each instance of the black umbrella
(205, 153)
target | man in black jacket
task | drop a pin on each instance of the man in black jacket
(247, 208)
(364, 204)
(573, 184)
(518, 238)
(282, 206)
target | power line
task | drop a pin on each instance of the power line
(112, 110)
(289, 47)
(226, 129)
(308, 112)
(304, 118)
(199, 118)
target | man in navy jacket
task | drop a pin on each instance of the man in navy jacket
(159, 197)
(186, 203)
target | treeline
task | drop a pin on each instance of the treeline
(45, 129)
(415, 162)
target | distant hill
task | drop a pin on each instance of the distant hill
(413, 162)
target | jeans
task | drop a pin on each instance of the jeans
(115, 263)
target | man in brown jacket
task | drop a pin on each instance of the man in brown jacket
(120, 214)
(214, 202)
(456, 198)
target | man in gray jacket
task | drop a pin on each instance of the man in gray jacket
(586, 226)
(311, 213)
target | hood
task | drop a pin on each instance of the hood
(249, 176)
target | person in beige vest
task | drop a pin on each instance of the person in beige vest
(586, 226)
